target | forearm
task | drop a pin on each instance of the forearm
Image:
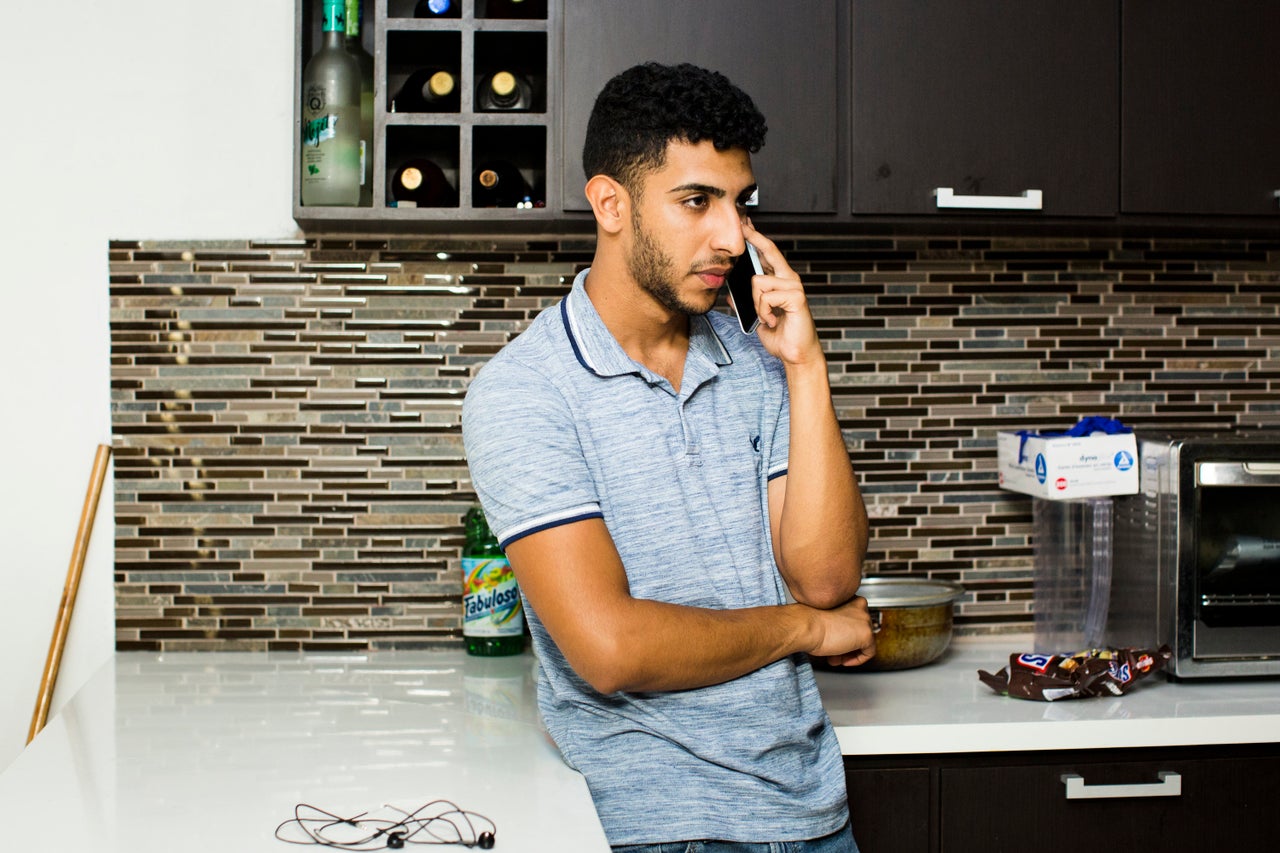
(823, 527)
(656, 646)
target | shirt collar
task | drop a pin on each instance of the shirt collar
(599, 352)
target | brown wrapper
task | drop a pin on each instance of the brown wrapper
(1094, 672)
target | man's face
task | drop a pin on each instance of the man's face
(686, 226)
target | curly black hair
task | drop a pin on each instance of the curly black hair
(642, 109)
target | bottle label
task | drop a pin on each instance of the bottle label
(490, 598)
(319, 130)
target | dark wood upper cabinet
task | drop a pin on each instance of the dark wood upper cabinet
(989, 98)
(786, 57)
(1201, 107)
(1086, 115)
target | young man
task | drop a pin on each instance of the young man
(675, 497)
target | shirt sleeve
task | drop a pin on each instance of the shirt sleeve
(523, 452)
(780, 448)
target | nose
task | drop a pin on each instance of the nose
(727, 238)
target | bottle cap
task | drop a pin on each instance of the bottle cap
(441, 83)
(411, 178)
(503, 83)
(487, 178)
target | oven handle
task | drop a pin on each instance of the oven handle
(1238, 473)
(1170, 785)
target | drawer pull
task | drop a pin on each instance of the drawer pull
(1029, 200)
(1170, 785)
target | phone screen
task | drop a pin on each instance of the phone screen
(739, 281)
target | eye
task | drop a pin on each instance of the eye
(696, 202)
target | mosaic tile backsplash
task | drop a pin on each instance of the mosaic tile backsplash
(289, 470)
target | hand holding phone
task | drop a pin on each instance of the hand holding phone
(739, 281)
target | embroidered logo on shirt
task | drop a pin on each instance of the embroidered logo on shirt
(755, 443)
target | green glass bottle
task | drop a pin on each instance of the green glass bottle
(330, 161)
(492, 616)
(355, 19)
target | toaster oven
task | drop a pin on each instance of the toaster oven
(1196, 559)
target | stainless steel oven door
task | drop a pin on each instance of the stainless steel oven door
(1229, 584)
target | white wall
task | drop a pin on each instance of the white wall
(148, 119)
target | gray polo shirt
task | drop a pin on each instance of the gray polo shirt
(561, 426)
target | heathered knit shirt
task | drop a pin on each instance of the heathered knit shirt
(561, 426)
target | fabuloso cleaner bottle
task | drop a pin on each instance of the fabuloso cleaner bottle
(492, 618)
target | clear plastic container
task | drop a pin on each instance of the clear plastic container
(1071, 542)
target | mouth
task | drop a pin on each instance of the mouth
(713, 277)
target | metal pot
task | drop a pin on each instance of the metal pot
(912, 619)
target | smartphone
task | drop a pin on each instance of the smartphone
(739, 281)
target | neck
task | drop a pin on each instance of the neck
(649, 332)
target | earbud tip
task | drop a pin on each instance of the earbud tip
(485, 841)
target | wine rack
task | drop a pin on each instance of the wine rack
(473, 41)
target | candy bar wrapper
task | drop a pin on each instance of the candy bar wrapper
(1094, 672)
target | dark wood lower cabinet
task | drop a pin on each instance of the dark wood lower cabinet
(1135, 800)
(890, 807)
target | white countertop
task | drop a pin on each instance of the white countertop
(208, 752)
(943, 708)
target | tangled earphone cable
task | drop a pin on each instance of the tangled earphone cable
(434, 822)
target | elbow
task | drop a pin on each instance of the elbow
(603, 664)
(829, 586)
(825, 596)
(602, 678)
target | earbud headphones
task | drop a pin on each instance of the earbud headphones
(436, 822)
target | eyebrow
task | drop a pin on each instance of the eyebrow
(716, 192)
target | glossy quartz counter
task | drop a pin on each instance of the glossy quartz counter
(944, 708)
(206, 752)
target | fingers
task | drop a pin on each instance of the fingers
(857, 658)
(771, 258)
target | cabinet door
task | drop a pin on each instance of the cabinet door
(889, 808)
(1201, 114)
(785, 59)
(987, 98)
(1222, 805)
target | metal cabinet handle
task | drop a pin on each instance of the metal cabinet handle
(1170, 785)
(1029, 200)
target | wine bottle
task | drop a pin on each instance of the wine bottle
(436, 9)
(428, 90)
(504, 90)
(355, 19)
(419, 182)
(330, 161)
(497, 183)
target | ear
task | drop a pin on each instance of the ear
(610, 203)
